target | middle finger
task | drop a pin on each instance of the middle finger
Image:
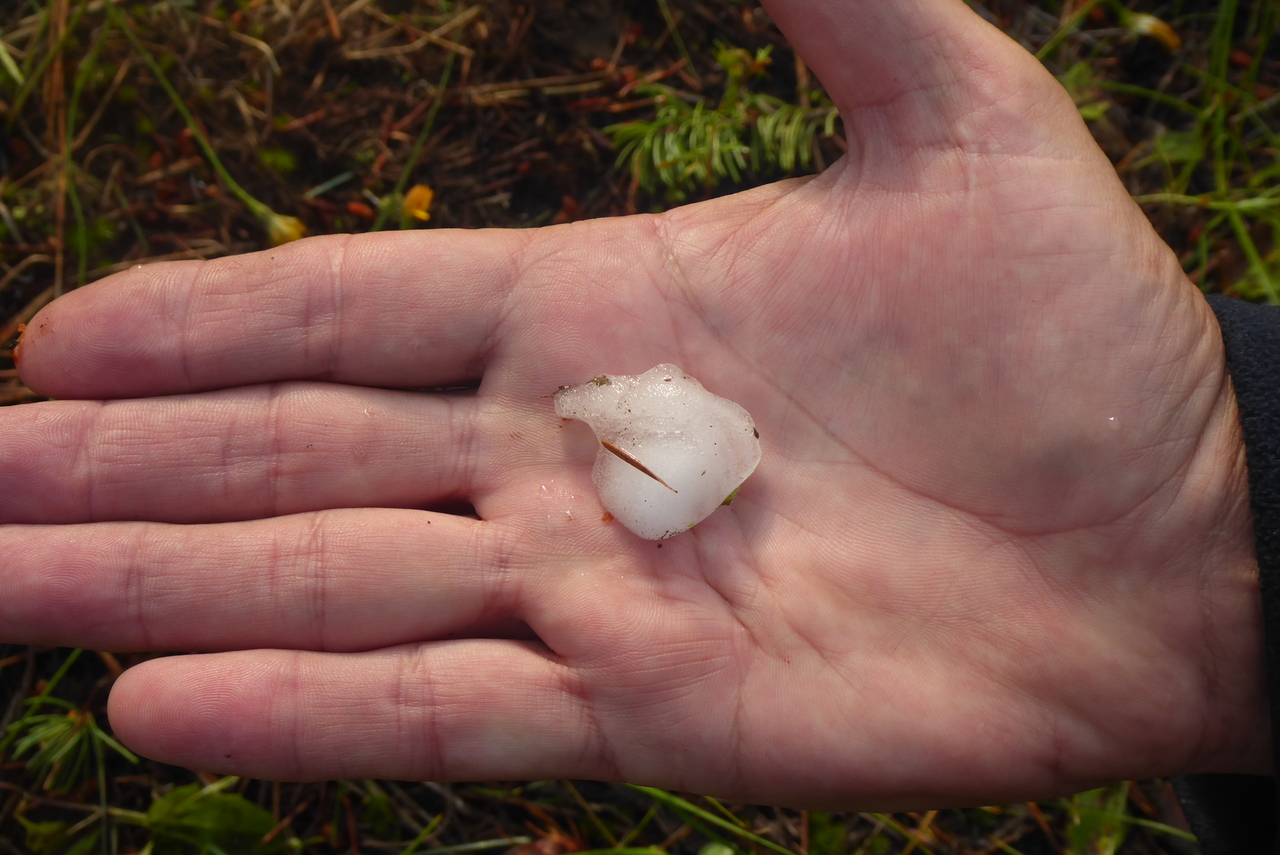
(241, 454)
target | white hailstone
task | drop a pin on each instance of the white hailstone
(670, 451)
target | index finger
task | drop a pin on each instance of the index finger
(398, 310)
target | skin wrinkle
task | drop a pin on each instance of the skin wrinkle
(496, 553)
(1015, 103)
(1044, 568)
(668, 240)
(845, 179)
(731, 609)
(981, 74)
(135, 583)
(225, 458)
(1004, 684)
(883, 102)
(185, 326)
(1065, 718)
(492, 573)
(420, 710)
(521, 262)
(277, 587)
(734, 734)
(296, 707)
(930, 155)
(337, 262)
(315, 569)
(1057, 743)
(87, 453)
(275, 424)
(1054, 761)
(746, 505)
(737, 735)
(1180, 473)
(466, 425)
(308, 325)
(1140, 502)
(597, 747)
(1078, 711)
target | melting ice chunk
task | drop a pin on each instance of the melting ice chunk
(670, 451)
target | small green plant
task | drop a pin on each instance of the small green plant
(64, 747)
(64, 751)
(690, 145)
(196, 819)
(1100, 821)
(1234, 142)
(1085, 90)
(1225, 160)
(826, 836)
(278, 159)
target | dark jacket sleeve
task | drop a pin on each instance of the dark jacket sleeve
(1237, 814)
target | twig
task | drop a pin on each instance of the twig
(353, 8)
(169, 170)
(83, 136)
(10, 328)
(335, 27)
(17, 269)
(435, 36)
(260, 45)
(285, 822)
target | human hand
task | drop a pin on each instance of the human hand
(997, 548)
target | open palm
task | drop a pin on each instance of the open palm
(997, 547)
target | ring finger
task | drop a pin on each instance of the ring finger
(334, 580)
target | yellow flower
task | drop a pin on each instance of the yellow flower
(283, 229)
(417, 202)
(1150, 25)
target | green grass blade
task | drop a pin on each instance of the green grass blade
(478, 846)
(1065, 30)
(1256, 263)
(679, 804)
(427, 123)
(424, 834)
(258, 209)
(6, 61)
(901, 829)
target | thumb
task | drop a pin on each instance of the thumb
(916, 73)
